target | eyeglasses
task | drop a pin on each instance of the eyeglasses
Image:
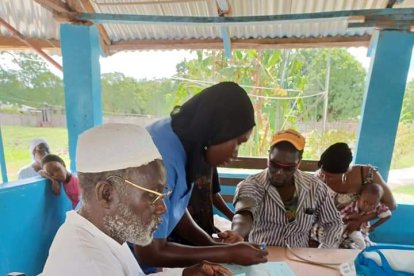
(156, 195)
(285, 167)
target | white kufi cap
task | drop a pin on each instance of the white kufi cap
(113, 147)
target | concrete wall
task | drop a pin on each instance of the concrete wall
(58, 120)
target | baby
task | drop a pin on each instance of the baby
(54, 169)
(367, 203)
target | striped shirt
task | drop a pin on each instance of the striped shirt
(270, 222)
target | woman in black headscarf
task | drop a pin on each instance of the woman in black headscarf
(203, 133)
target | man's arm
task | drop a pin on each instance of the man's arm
(248, 194)
(242, 224)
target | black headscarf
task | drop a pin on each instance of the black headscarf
(217, 114)
(336, 158)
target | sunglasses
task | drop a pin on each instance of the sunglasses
(153, 194)
(285, 167)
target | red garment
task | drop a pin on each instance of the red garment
(72, 190)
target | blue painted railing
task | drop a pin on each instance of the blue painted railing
(30, 216)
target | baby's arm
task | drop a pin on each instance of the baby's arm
(383, 214)
(378, 223)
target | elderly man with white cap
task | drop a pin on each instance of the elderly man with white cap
(122, 178)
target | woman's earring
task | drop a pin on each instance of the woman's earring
(205, 147)
(343, 178)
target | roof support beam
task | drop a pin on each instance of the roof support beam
(269, 43)
(55, 6)
(390, 14)
(226, 41)
(66, 11)
(223, 9)
(391, 3)
(136, 3)
(38, 50)
(384, 23)
(8, 42)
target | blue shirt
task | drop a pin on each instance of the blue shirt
(174, 157)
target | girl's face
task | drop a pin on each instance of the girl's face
(222, 154)
(56, 170)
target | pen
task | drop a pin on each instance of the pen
(263, 246)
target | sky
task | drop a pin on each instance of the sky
(162, 64)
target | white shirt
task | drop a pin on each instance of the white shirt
(80, 248)
(27, 172)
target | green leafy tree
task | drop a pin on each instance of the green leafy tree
(407, 112)
(281, 84)
(28, 81)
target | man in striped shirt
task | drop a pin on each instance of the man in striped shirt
(280, 204)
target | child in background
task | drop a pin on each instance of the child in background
(367, 203)
(38, 149)
(54, 168)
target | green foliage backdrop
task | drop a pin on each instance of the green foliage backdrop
(286, 87)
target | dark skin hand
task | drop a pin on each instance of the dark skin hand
(176, 255)
(171, 254)
(54, 185)
(230, 237)
(354, 222)
(206, 269)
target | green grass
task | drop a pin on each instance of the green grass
(16, 141)
(408, 190)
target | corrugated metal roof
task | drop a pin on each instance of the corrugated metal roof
(34, 21)
(238, 8)
(29, 18)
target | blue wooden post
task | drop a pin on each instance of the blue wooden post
(383, 98)
(81, 76)
(3, 160)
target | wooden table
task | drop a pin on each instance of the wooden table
(278, 254)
